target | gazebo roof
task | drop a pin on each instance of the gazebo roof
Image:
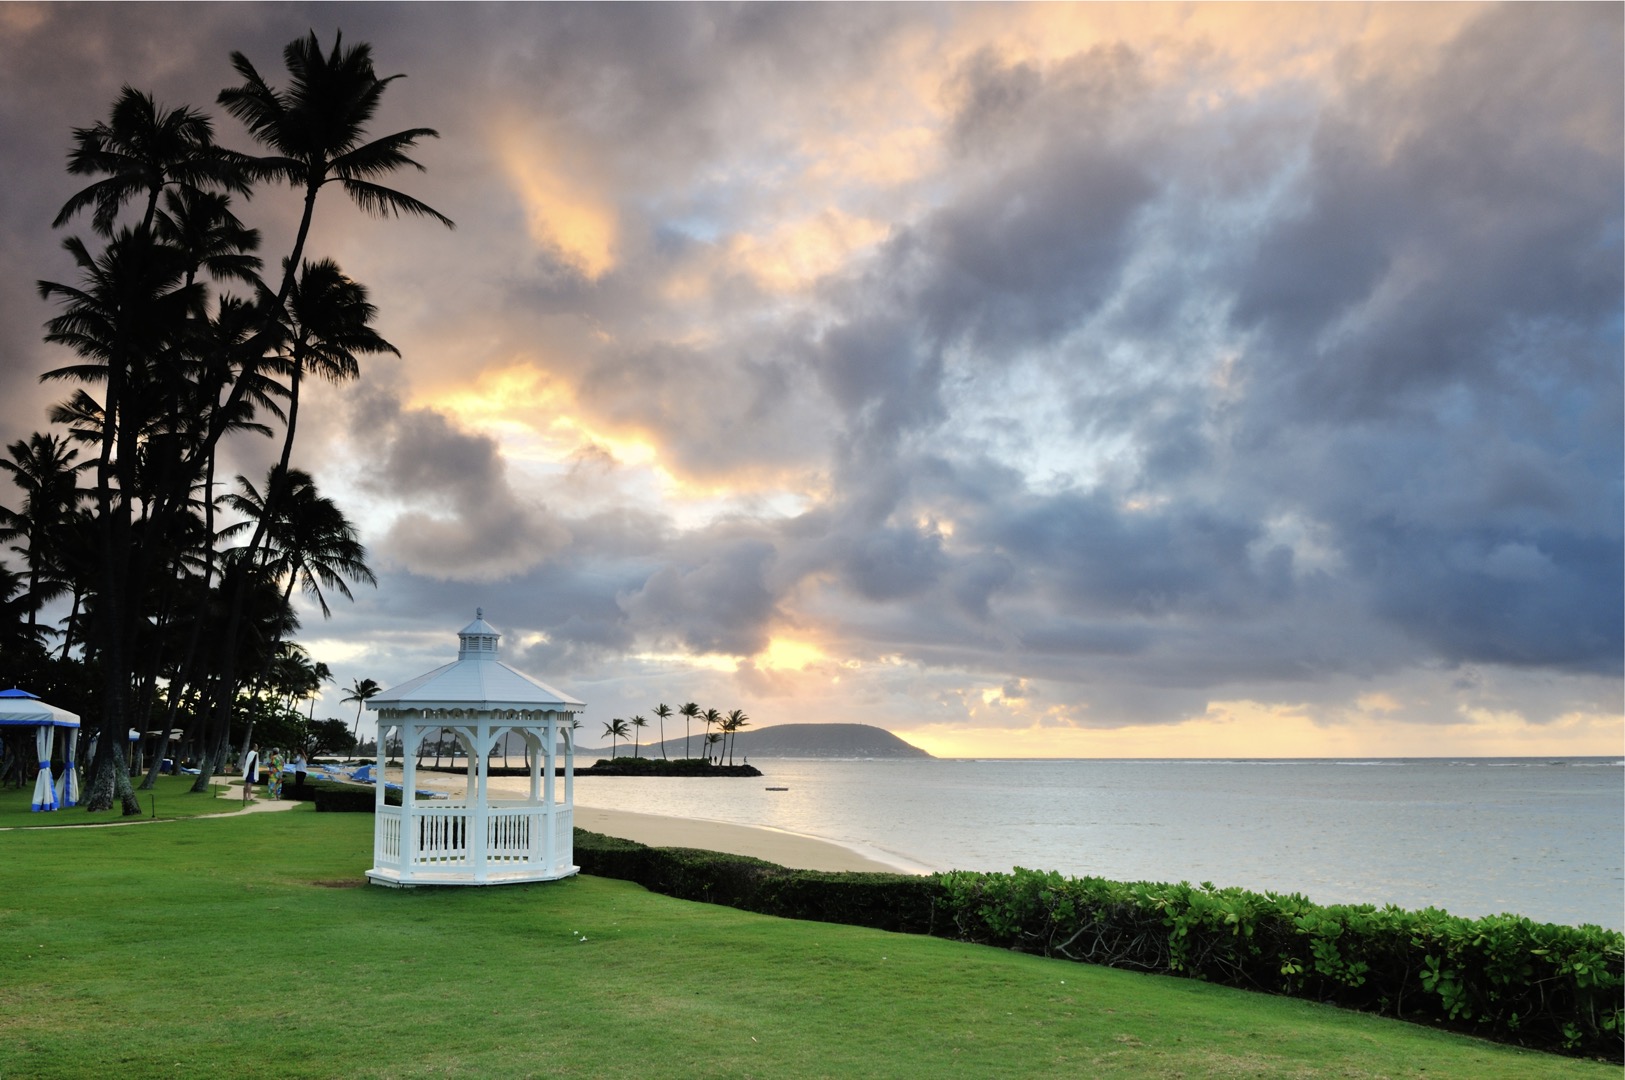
(20, 708)
(477, 680)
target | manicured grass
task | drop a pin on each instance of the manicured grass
(244, 946)
(170, 798)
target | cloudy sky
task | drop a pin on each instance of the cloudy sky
(1170, 380)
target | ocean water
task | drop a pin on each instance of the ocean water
(1544, 838)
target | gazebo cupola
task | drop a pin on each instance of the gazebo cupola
(475, 839)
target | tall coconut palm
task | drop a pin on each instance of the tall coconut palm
(615, 729)
(638, 724)
(662, 711)
(43, 469)
(710, 716)
(735, 720)
(310, 541)
(361, 691)
(316, 129)
(329, 323)
(689, 711)
(140, 150)
(132, 308)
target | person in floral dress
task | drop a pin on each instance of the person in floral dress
(273, 780)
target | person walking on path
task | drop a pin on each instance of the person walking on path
(251, 771)
(299, 769)
(273, 780)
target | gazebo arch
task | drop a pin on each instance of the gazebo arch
(475, 839)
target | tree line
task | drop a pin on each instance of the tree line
(178, 585)
(727, 727)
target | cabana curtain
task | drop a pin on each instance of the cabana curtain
(67, 786)
(44, 791)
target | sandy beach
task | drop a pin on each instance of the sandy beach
(774, 845)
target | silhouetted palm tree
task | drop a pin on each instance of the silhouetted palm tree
(662, 711)
(638, 724)
(309, 541)
(615, 729)
(43, 469)
(141, 149)
(731, 725)
(361, 692)
(317, 131)
(689, 711)
(329, 322)
(710, 716)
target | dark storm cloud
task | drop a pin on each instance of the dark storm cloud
(1442, 320)
(463, 519)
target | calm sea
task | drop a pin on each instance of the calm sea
(1539, 837)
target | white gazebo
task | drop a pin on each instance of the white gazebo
(476, 839)
(19, 708)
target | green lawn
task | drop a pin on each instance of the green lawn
(244, 946)
(170, 798)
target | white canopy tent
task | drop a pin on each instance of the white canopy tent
(475, 839)
(19, 708)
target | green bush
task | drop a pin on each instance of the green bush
(345, 798)
(1503, 977)
(901, 902)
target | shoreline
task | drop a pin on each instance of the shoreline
(795, 850)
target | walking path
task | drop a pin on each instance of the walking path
(231, 791)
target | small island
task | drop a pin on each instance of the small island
(852, 741)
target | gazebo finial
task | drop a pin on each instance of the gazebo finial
(479, 613)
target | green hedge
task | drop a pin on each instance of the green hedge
(902, 902)
(343, 798)
(1502, 977)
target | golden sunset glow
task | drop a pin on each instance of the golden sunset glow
(564, 206)
(789, 653)
(795, 254)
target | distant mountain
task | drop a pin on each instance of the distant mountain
(781, 741)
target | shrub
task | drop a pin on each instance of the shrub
(1502, 977)
(345, 798)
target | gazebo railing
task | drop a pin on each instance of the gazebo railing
(445, 835)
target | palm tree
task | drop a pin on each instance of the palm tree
(201, 225)
(133, 307)
(43, 469)
(662, 711)
(320, 673)
(615, 729)
(735, 720)
(141, 149)
(689, 711)
(361, 692)
(638, 724)
(310, 540)
(710, 716)
(711, 739)
(328, 323)
(316, 130)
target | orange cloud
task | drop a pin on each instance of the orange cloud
(562, 194)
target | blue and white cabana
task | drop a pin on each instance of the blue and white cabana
(19, 708)
(476, 839)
